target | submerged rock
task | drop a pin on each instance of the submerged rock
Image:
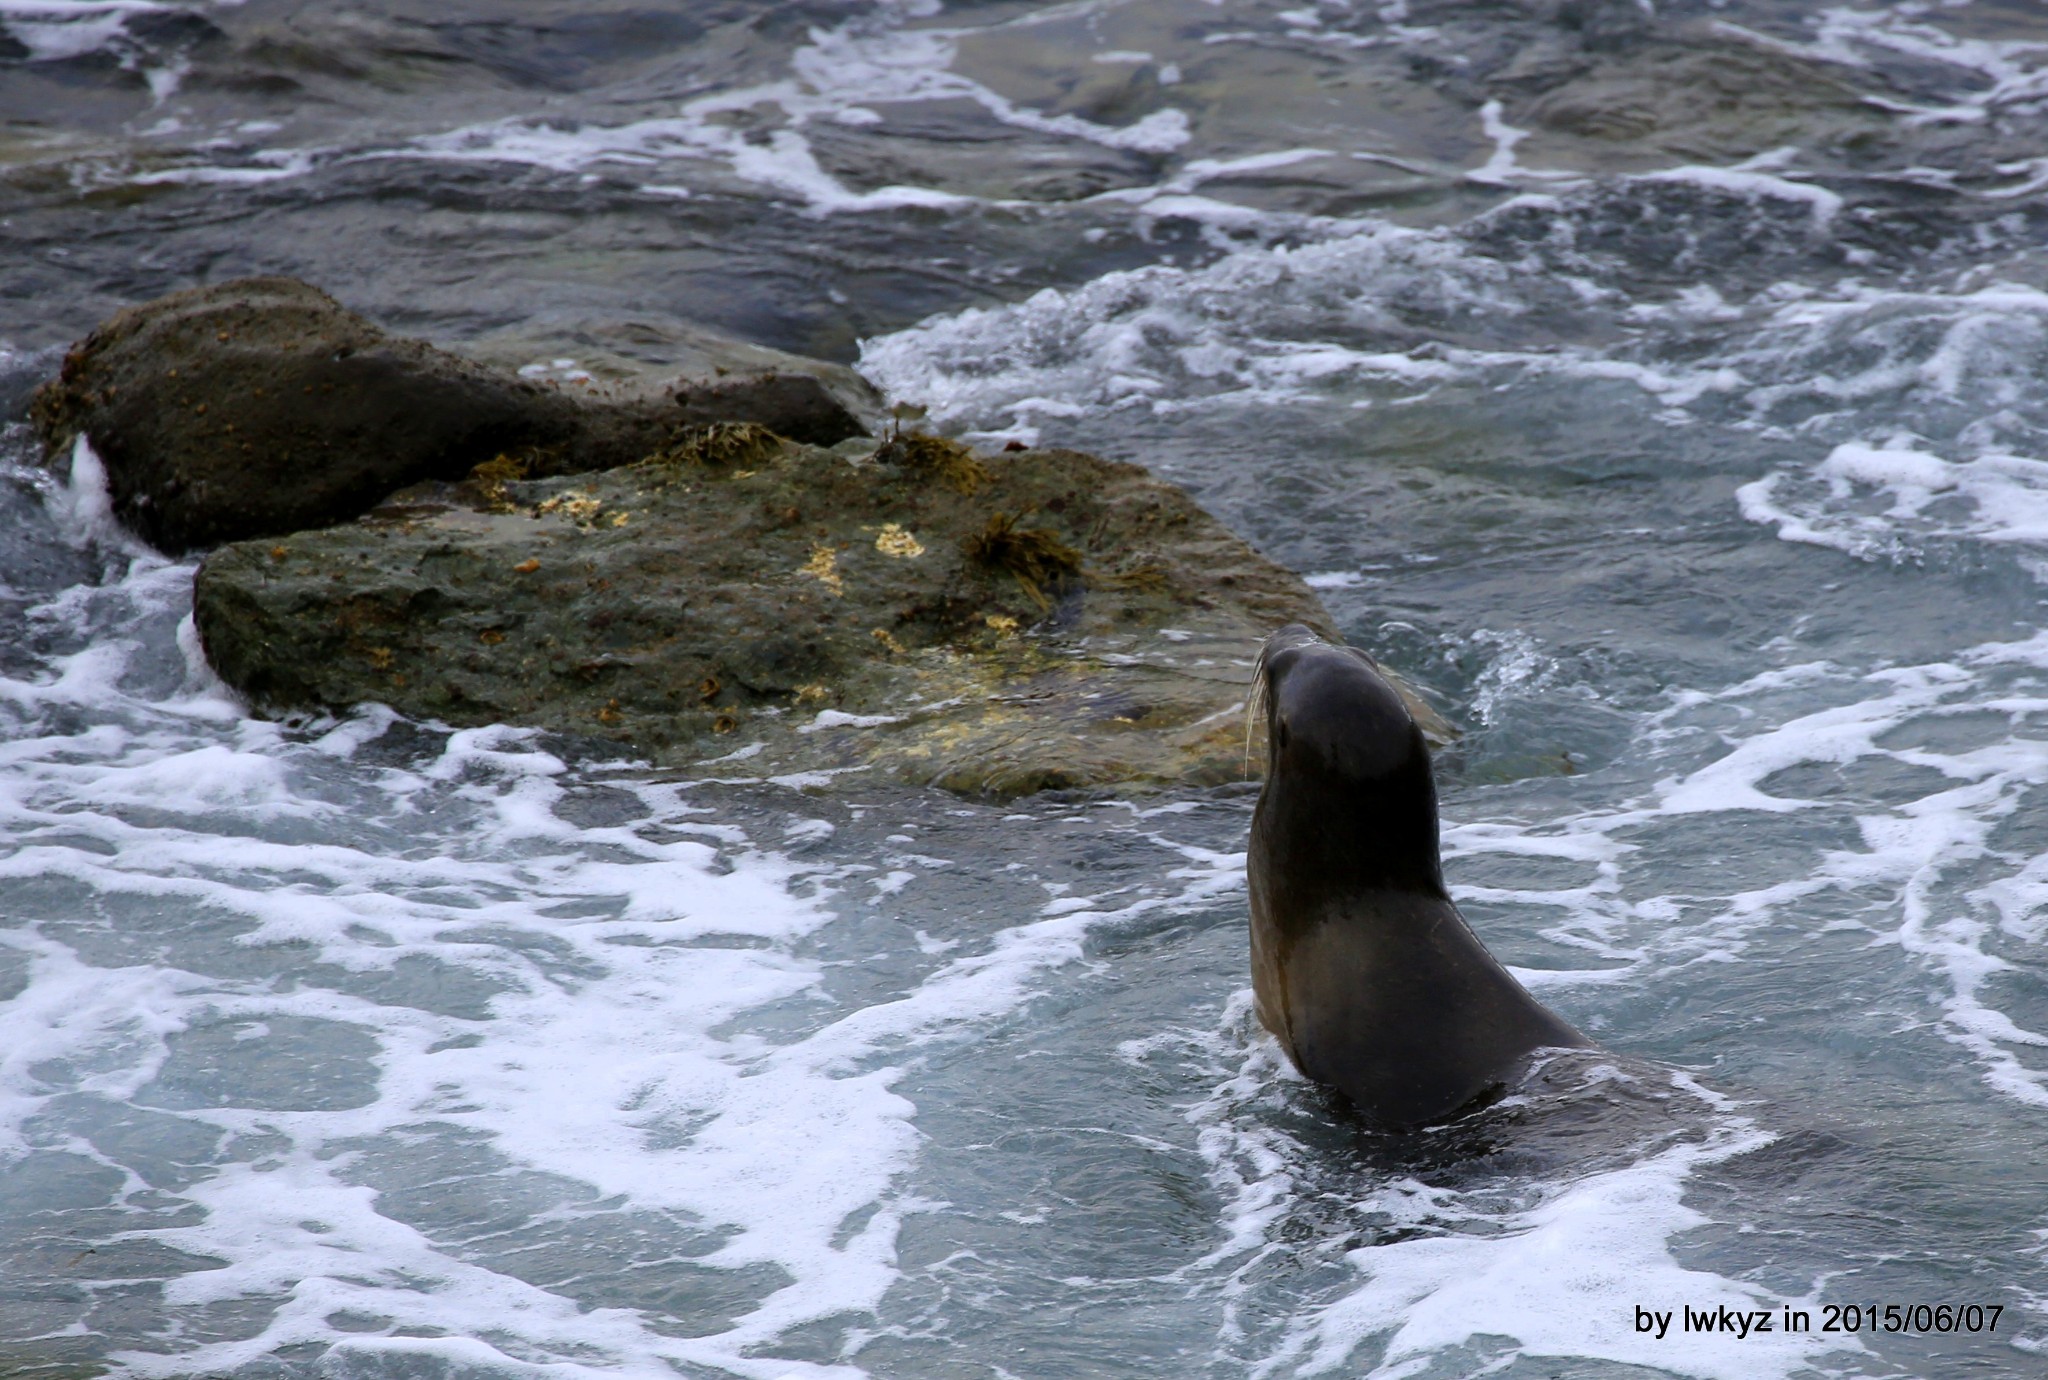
(1628, 97)
(262, 406)
(995, 625)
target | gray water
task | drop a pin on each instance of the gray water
(1658, 386)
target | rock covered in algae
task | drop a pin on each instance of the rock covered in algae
(262, 406)
(994, 625)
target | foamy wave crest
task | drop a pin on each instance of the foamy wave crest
(1361, 311)
(53, 30)
(1267, 321)
(1964, 367)
(1529, 1275)
(1890, 502)
(142, 36)
(2008, 72)
(1976, 351)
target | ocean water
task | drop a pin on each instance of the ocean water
(1660, 386)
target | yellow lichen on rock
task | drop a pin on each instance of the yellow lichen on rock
(573, 504)
(892, 540)
(823, 567)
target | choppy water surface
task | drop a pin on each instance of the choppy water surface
(1660, 386)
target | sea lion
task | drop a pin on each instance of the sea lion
(1361, 964)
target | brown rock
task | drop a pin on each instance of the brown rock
(993, 624)
(261, 407)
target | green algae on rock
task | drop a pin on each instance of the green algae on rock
(771, 608)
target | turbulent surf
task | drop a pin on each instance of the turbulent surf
(1656, 386)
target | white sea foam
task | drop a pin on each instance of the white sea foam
(1751, 181)
(576, 1077)
(1482, 1276)
(1515, 669)
(1913, 475)
(1502, 168)
(2011, 72)
(53, 30)
(1978, 344)
(855, 73)
(1999, 499)
(1911, 848)
(1918, 408)
(1552, 1278)
(1909, 878)
(645, 1034)
(869, 65)
(839, 718)
(1358, 307)
(1265, 322)
(85, 510)
(262, 165)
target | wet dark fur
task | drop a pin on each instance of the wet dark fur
(1361, 964)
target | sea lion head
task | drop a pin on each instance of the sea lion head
(1328, 708)
(1348, 781)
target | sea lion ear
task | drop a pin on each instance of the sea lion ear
(1363, 656)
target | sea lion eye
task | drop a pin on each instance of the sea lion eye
(1280, 733)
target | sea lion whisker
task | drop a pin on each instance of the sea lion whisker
(1254, 708)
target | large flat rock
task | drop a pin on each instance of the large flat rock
(749, 606)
